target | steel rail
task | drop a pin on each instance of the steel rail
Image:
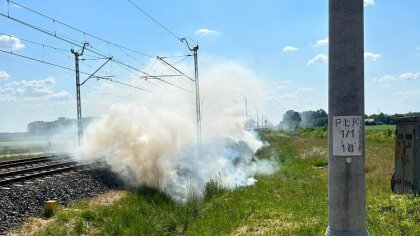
(38, 168)
(26, 161)
(8, 181)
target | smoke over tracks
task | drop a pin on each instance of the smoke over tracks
(151, 141)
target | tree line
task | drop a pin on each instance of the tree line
(60, 124)
(319, 118)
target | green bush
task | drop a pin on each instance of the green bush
(212, 189)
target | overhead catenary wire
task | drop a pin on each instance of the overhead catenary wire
(124, 84)
(68, 40)
(74, 42)
(61, 37)
(78, 43)
(154, 20)
(67, 68)
(36, 43)
(147, 77)
(158, 77)
(60, 50)
(174, 68)
(39, 60)
(79, 30)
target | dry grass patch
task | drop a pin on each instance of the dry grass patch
(108, 198)
(72, 220)
(32, 226)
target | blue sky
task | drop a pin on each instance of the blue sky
(283, 42)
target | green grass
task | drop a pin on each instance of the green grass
(290, 202)
(379, 127)
(379, 133)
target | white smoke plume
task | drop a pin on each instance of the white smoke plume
(151, 141)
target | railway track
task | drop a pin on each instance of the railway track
(44, 166)
(27, 161)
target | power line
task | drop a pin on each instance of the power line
(39, 60)
(68, 40)
(70, 69)
(77, 43)
(153, 19)
(174, 68)
(36, 43)
(41, 30)
(128, 85)
(72, 42)
(147, 77)
(79, 30)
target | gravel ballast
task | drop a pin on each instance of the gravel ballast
(20, 201)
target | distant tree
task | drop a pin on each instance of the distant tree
(50, 127)
(383, 118)
(291, 120)
(318, 118)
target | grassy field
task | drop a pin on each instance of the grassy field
(380, 127)
(290, 202)
(25, 145)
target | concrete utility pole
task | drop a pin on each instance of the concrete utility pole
(79, 106)
(346, 139)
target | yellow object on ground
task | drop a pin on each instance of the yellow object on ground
(51, 205)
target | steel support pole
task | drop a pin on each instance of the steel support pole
(258, 121)
(346, 161)
(246, 112)
(197, 99)
(262, 121)
(79, 103)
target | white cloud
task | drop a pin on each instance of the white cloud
(10, 43)
(372, 56)
(408, 94)
(282, 84)
(4, 74)
(295, 94)
(368, 2)
(206, 32)
(7, 94)
(290, 49)
(62, 95)
(320, 58)
(321, 42)
(32, 89)
(35, 88)
(303, 90)
(385, 78)
(300, 99)
(409, 76)
(404, 76)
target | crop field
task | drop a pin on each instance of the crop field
(292, 201)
